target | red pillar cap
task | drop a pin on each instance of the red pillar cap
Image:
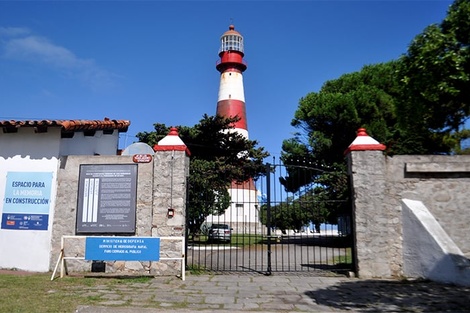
(364, 142)
(171, 142)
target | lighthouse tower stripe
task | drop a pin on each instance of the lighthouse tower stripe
(240, 131)
(231, 86)
(231, 108)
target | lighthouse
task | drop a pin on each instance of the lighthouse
(243, 213)
(231, 100)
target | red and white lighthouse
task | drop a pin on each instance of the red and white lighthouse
(242, 214)
(231, 100)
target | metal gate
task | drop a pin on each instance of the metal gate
(281, 222)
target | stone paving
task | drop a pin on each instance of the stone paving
(277, 293)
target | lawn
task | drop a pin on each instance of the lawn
(25, 293)
(237, 240)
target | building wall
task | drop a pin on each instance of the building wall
(31, 153)
(25, 248)
(28, 143)
(379, 183)
(99, 144)
(243, 213)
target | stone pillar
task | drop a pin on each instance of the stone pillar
(171, 169)
(366, 167)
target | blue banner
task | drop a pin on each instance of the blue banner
(25, 221)
(27, 200)
(122, 249)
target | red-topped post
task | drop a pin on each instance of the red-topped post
(172, 142)
(364, 142)
(373, 234)
(171, 169)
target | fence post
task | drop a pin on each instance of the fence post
(366, 167)
(268, 215)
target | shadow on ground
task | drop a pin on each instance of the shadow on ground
(394, 296)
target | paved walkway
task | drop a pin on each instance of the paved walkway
(277, 293)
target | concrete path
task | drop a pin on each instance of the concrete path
(277, 293)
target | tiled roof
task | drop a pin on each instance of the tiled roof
(71, 125)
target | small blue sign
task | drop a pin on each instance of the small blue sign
(122, 248)
(25, 221)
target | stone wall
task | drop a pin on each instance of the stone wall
(161, 185)
(171, 168)
(379, 183)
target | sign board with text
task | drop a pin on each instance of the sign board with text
(107, 199)
(122, 248)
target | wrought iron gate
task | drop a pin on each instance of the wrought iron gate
(288, 226)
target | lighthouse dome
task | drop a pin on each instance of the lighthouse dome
(231, 40)
(231, 31)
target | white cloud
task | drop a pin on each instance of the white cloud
(13, 31)
(21, 45)
(34, 49)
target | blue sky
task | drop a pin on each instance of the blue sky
(154, 61)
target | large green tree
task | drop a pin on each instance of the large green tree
(435, 73)
(219, 155)
(328, 121)
(417, 104)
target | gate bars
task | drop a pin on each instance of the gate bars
(278, 230)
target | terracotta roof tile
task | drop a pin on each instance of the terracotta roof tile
(71, 125)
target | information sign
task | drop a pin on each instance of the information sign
(122, 248)
(107, 198)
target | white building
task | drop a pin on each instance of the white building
(31, 152)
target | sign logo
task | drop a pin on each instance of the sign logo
(142, 158)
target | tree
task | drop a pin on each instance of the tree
(297, 212)
(415, 105)
(328, 121)
(435, 73)
(219, 156)
(330, 118)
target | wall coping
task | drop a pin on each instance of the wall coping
(437, 167)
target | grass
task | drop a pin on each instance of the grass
(197, 269)
(237, 240)
(343, 259)
(33, 293)
(37, 293)
(246, 240)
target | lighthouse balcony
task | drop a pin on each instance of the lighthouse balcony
(224, 64)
